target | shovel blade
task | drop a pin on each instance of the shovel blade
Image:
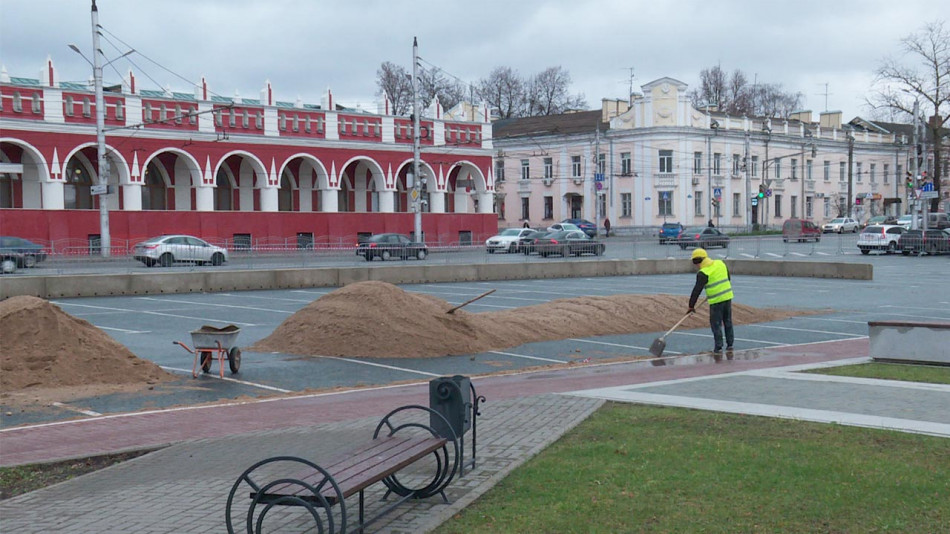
(657, 347)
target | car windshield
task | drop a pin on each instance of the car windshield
(671, 226)
(833, 221)
(694, 230)
(511, 231)
(873, 230)
(556, 235)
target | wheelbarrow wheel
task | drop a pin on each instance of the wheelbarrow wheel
(234, 359)
(206, 358)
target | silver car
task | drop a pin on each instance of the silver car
(168, 249)
(840, 225)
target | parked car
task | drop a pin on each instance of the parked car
(840, 225)
(168, 249)
(526, 242)
(881, 219)
(800, 230)
(386, 246)
(568, 243)
(507, 240)
(938, 221)
(905, 221)
(564, 226)
(670, 232)
(931, 242)
(883, 237)
(586, 226)
(702, 236)
(22, 252)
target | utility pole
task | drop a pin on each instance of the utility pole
(850, 173)
(897, 175)
(765, 175)
(416, 175)
(748, 183)
(916, 170)
(596, 172)
(709, 209)
(105, 238)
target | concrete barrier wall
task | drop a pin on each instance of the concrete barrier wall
(908, 341)
(189, 281)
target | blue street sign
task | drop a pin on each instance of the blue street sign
(717, 192)
(665, 195)
(927, 187)
(768, 192)
(598, 177)
(755, 201)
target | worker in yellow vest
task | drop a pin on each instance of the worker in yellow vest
(713, 276)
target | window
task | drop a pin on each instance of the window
(245, 119)
(755, 165)
(36, 103)
(808, 207)
(794, 169)
(119, 110)
(857, 171)
(842, 171)
(17, 102)
(697, 162)
(177, 114)
(873, 172)
(887, 170)
(525, 212)
(576, 166)
(665, 203)
(549, 168)
(548, 207)
(736, 165)
(147, 112)
(777, 166)
(86, 108)
(68, 104)
(601, 203)
(232, 119)
(525, 169)
(698, 203)
(281, 120)
(826, 171)
(499, 170)
(666, 161)
(827, 207)
(898, 173)
(808, 170)
(602, 163)
(794, 209)
(778, 205)
(625, 169)
(626, 204)
(717, 209)
(717, 164)
(736, 205)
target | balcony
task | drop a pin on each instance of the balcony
(664, 180)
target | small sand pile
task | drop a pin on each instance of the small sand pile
(43, 347)
(377, 319)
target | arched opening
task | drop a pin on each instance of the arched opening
(154, 187)
(77, 193)
(310, 182)
(224, 191)
(286, 193)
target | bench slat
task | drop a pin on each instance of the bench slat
(362, 467)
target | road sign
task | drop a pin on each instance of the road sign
(868, 196)
(665, 195)
(755, 201)
(768, 192)
(717, 192)
(98, 189)
(414, 194)
(599, 185)
(927, 187)
(598, 177)
(928, 195)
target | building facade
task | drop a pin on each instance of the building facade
(658, 159)
(232, 168)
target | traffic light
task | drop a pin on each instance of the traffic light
(910, 180)
(761, 190)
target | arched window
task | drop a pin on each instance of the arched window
(245, 119)
(86, 107)
(36, 103)
(177, 114)
(154, 192)
(17, 102)
(119, 110)
(68, 105)
(223, 193)
(76, 193)
(285, 195)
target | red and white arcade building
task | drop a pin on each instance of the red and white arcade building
(255, 171)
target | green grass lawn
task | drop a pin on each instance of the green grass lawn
(634, 468)
(931, 374)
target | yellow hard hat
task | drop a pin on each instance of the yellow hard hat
(700, 253)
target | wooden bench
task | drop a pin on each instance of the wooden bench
(294, 481)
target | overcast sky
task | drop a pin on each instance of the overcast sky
(305, 46)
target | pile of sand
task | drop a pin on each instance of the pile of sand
(377, 319)
(43, 347)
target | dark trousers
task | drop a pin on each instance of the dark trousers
(720, 315)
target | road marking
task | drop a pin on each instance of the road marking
(911, 307)
(215, 305)
(736, 339)
(77, 410)
(747, 255)
(774, 255)
(123, 330)
(226, 379)
(618, 345)
(799, 254)
(806, 330)
(148, 312)
(526, 356)
(308, 292)
(384, 366)
(827, 319)
(262, 298)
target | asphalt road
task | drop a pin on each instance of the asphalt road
(910, 288)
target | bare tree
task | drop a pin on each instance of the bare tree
(503, 90)
(433, 84)
(393, 81)
(732, 93)
(547, 93)
(924, 78)
(711, 90)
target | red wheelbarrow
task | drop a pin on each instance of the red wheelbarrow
(212, 343)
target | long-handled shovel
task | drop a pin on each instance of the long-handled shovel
(659, 343)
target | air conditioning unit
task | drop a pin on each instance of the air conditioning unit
(547, 181)
(695, 180)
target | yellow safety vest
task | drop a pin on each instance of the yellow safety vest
(718, 287)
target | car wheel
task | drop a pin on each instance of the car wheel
(491, 251)
(421, 255)
(166, 259)
(512, 248)
(29, 261)
(891, 248)
(385, 255)
(368, 257)
(865, 251)
(148, 262)
(784, 240)
(905, 252)
(7, 266)
(217, 259)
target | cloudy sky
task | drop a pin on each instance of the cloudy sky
(305, 46)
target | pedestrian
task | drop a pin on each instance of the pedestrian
(526, 225)
(711, 225)
(607, 227)
(714, 277)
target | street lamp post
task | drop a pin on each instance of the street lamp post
(764, 209)
(898, 143)
(714, 125)
(850, 173)
(806, 135)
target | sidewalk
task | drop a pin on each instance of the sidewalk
(183, 487)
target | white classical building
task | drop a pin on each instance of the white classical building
(658, 159)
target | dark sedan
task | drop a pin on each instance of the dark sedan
(21, 251)
(386, 246)
(702, 236)
(588, 227)
(526, 241)
(931, 242)
(567, 243)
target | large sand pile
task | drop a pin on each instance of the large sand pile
(43, 347)
(377, 319)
